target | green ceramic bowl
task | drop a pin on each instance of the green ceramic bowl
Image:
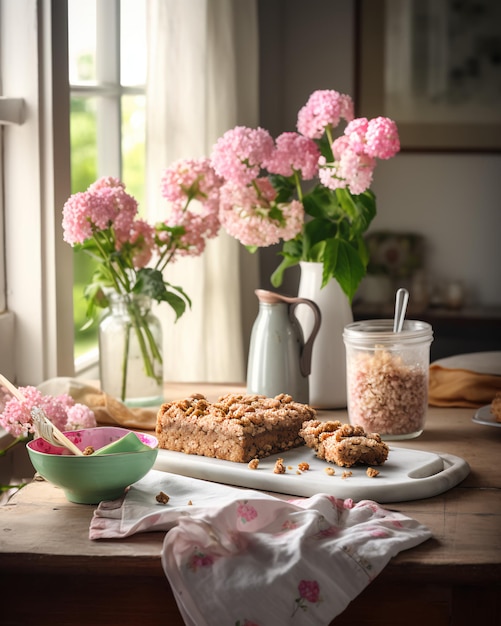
(90, 479)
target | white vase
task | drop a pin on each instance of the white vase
(328, 366)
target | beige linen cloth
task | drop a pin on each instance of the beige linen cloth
(467, 380)
(108, 410)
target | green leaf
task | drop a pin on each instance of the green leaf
(292, 253)
(360, 209)
(347, 202)
(175, 231)
(322, 202)
(325, 148)
(278, 275)
(150, 283)
(342, 262)
(177, 303)
(314, 232)
(293, 248)
(284, 187)
(276, 214)
(95, 296)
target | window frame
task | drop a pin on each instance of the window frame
(37, 330)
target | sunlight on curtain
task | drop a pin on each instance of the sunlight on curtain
(202, 81)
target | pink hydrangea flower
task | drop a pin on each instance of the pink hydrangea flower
(347, 110)
(382, 138)
(353, 171)
(191, 179)
(357, 170)
(16, 416)
(126, 211)
(198, 228)
(105, 182)
(104, 204)
(248, 214)
(238, 155)
(77, 225)
(142, 240)
(355, 133)
(350, 169)
(294, 153)
(330, 176)
(377, 138)
(339, 145)
(192, 188)
(324, 108)
(79, 416)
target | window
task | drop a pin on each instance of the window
(107, 73)
(35, 171)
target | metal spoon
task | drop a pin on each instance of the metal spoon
(401, 300)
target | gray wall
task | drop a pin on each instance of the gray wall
(450, 198)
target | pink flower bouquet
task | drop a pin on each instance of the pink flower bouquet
(306, 189)
(326, 222)
(132, 254)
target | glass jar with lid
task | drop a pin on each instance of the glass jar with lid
(387, 376)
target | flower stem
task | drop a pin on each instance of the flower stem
(328, 132)
(299, 189)
(4, 488)
(150, 351)
(125, 362)
(14, 443)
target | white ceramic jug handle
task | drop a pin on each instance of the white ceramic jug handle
(305, 360)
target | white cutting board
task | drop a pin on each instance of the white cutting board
(406, 475)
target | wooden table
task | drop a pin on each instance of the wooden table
(51, 573)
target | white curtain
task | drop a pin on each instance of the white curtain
(202, 81)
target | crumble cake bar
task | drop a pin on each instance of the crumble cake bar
(238, 427)
(344, 444)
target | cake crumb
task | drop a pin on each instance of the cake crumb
(190, 503)
(88, 451)
(371, 472)
(346, 474)
(253, 464)
(330, 471)
(162, 498)
(496, 406)
(304, 467)
(289, 467)
(279, 467)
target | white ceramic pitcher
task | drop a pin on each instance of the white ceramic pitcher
(279, 358)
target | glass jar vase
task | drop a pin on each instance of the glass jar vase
(387, 376)
(130, 351)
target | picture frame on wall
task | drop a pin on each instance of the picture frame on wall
(434, 68)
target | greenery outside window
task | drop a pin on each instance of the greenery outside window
(107, 73)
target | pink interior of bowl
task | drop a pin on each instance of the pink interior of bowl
(95, 437)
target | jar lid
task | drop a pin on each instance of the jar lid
(381, 331)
